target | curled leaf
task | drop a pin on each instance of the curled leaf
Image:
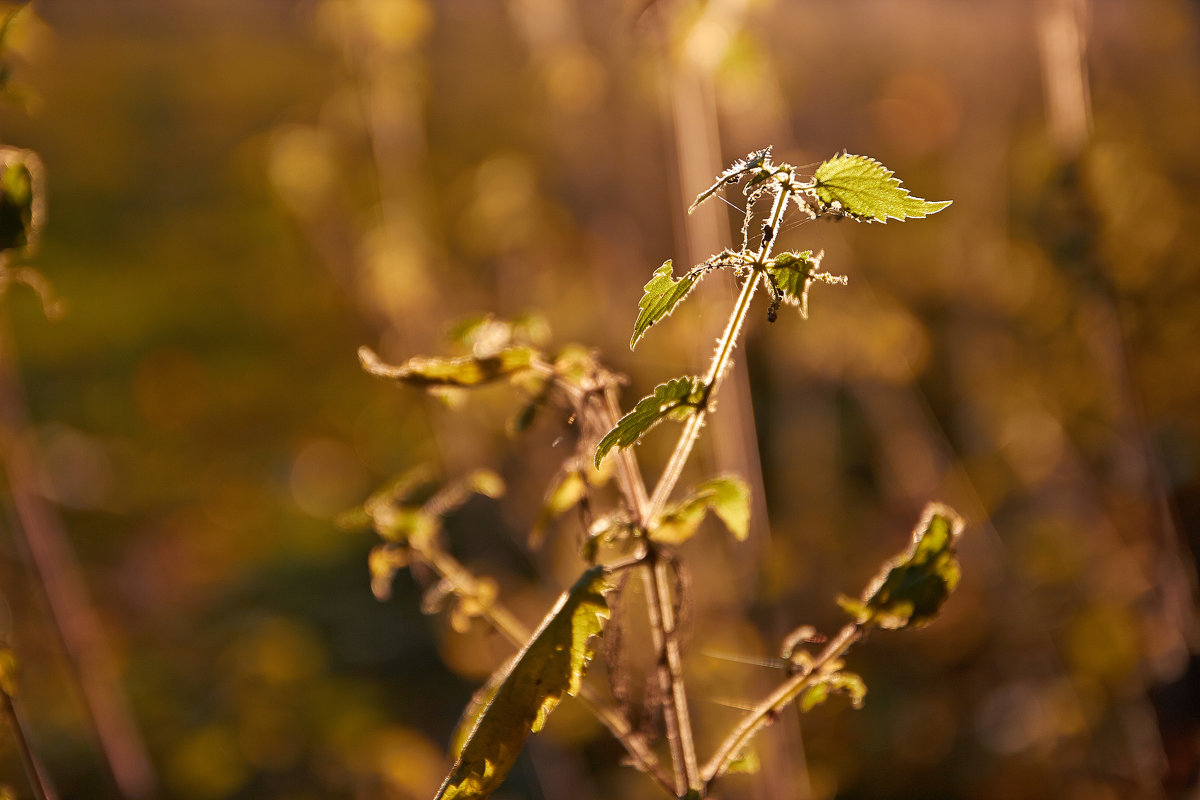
(847, 683)
(569, 487)
(21, 200)
(461, 372)
(533, 683)
(675, 398)
(727, 496)
(384, 562)
(910, 589)
(861, 187)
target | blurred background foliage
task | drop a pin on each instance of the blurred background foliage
(240, 194)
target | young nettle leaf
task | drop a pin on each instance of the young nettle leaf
(911, 588)
(757, 165)
(675, 398)
(552, 664)
(746, 762)
(790, 274)
(862, 187)
(451, 372)
(727, 496)
(663, 292)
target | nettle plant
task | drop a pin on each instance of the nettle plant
(632, 531)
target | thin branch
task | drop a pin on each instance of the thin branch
(33, 768)
(41, 533)
(720, 363)
(765, 712)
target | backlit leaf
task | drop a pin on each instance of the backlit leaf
(791, 274)
(911, 588)
(453, 372)
(569, 488)
(847, 683)
(663, 293)
(674, 398)
(727, 496)
(746, 762)
(552, 664)
(862, 187)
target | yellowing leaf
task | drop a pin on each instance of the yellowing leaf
(8, 671)
(551, 664)
(729, 498)
(911, 588)
(862, 187)
(746, 762)
(673, 398)
(847, 683)
(451, 372)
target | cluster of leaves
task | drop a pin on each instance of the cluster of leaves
(551, 662)
(844, 186)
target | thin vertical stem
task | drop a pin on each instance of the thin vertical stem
(40, 531)
(712, 381)
(655, 603)
(660, 605)
(33, 769)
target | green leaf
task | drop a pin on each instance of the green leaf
(729, 498)
(745, 762)
(20, 215)
(663, 293)
(757, 162)
(862, 187)
(568, 489)
(451, 372)
(674, 398)
(910, 589)
(534, 682)
(789, 277)
(847, 683)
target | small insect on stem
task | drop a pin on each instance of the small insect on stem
(768, 232)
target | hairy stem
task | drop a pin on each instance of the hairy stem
(661, 610)
(764, 712)
(720, 363)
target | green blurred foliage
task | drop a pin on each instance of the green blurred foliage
(241, 194)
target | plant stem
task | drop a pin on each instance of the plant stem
(40, 531)
(29, 761)
(660, 606)
(765, 712)
(716, 370)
